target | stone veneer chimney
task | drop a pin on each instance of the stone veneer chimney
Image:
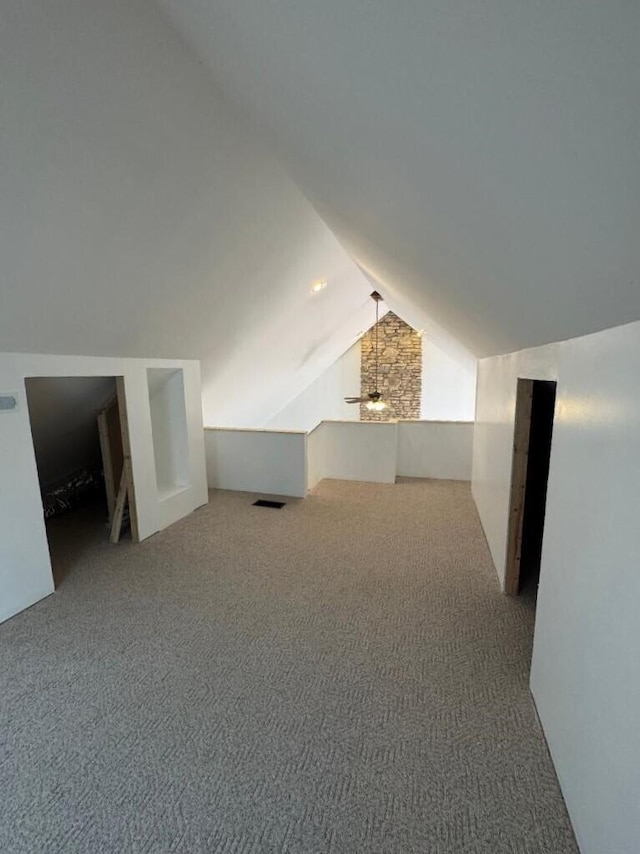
(399, 369)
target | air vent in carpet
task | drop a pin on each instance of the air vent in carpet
(275, 505)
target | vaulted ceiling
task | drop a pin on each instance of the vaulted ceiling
(175, 173)
(140, 217)
(142, 213)
(478, 159)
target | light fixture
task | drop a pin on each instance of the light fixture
(318, 285)
(373, 401)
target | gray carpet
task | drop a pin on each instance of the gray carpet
(341, 675)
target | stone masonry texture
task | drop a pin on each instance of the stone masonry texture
(399, 369)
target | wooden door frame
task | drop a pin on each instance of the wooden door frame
(105, 450)
(521, 435)
(113, 489)
(127, 466)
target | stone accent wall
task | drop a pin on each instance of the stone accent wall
(399, 371)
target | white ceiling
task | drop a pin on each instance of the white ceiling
(139, 217)
(479, 159)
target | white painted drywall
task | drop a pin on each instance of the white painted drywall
(493, 437)
(586, 668)
(315, 456)
(169, 429)
(270, 462)
(448, 385)
(323, 399)
(448, 391)
(25, 567)
(290, 463)
(438, 449)
(353, 450)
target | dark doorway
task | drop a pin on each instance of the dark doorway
(535, 500)
(66, 442)
(533, 430)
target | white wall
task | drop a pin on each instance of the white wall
(438, 449)
(353, 451)
(586, 669)
(323, 399)
(448, 391)
(266, 461)
(169, 429)
(315, 456)
(25, 567)
(280, 462)
(493, 437)
(448, 385)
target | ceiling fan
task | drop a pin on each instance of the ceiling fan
(373, 401)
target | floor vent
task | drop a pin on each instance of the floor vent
(275, 505)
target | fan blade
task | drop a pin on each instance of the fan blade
(356, 399)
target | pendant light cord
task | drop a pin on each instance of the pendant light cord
(376, 361)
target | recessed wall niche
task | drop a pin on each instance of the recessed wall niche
(169, 430)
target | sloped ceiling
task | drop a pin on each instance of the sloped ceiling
(479, 159)
(140, 217)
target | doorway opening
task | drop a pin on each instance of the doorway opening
(533, 431)
(80, 441)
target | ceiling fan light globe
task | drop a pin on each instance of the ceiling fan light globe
(376, 405)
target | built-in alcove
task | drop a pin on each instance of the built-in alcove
(169, 430)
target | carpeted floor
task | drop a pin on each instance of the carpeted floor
(341, 675)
